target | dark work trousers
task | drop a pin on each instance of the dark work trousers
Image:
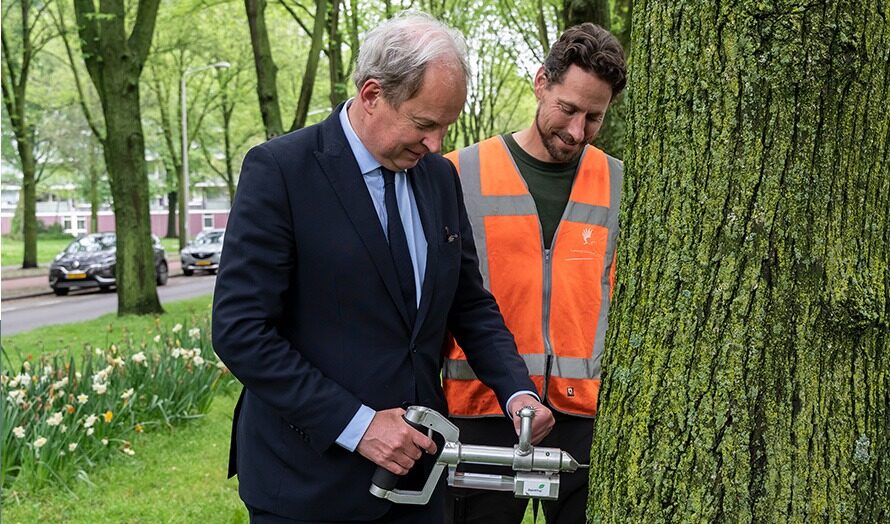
(466, 506)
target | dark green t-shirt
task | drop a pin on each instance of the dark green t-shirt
(549, 183)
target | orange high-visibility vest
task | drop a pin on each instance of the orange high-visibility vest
(555, 300)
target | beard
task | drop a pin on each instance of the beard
(549, 141)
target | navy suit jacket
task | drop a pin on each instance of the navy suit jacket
(308, 316)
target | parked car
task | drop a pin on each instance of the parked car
(203, 253)
(90, 260)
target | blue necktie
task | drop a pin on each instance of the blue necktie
(398, 244)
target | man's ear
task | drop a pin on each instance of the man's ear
(541, 82)
(370, 94)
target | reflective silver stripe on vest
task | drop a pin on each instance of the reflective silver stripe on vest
(479, 207)
(565, 367)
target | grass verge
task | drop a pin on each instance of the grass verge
(177, 476)
(70, 339)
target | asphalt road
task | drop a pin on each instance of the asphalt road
(30, 313)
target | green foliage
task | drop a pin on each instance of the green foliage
(62, 416)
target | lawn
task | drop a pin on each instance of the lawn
(176, 476)
(49, 245)
(69, 339)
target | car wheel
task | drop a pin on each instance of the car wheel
(61, 291)
(162, 274)
(104, 289)
(212, 271)
(188, 272)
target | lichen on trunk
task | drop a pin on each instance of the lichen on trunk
(747, 369)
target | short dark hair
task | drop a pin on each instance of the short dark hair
(593, 49)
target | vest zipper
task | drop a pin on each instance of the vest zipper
(545, 313)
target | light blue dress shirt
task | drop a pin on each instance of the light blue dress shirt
(417, 247)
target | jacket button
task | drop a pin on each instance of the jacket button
(414, 348)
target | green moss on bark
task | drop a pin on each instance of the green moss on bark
(747, 373)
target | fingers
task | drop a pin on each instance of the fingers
(392, 444)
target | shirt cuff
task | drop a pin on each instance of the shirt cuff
(514, 395)
(354, 431)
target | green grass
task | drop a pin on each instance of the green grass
(69, 339)
(48, 246)
(176, 476)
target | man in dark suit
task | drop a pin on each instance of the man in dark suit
(348, 257)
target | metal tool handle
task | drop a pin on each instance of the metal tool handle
(386, 479)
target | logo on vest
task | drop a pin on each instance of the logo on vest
(586, 234)
(570, 391)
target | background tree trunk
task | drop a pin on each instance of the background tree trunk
(114, 61)
(266, 70)
(576, 12)
(747, 373)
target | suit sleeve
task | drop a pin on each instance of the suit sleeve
(256, 274)
(477, 324)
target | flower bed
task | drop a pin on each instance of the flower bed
(60, 419)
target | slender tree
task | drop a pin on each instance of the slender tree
(114, 61)
(747, 375)
(266, 70)
(29, 37)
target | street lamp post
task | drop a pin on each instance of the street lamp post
(184, 182)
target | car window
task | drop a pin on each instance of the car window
(209, 237)
(90, 244)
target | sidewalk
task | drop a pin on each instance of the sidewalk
(34, 282)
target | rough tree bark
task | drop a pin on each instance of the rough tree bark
(114, 61)
(747, 375)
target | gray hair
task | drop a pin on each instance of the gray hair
(397, 52)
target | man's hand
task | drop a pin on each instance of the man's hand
(543, 421)
(391, 443)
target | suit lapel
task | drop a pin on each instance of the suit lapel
(342, 171)
(421, 183)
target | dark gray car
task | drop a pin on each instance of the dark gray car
(90, 261)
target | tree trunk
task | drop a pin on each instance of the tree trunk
(335, 56)
(29, 201)
(94, 191)
(309, 74)
(115, 62)
(172, 202)
(266, 70)
(747, 372)
(576, 12)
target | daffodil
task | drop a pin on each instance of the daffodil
(127, 394)
(40, 442)
(195, 332)
(104, 441)
(100, 388)
(177, 328)
(108, 416)
(90, 420)
(138, 358)
(157, 338)
(55, 419)
(82, 399)
(72, 446)
(19, 432)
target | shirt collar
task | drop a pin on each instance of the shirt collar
(366, 161)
